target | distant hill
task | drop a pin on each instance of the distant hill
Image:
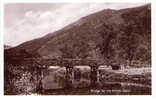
(108, 35)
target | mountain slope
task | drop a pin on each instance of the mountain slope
(108, 35)
(7, 47)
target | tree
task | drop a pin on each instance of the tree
(108, 34)
(129, 42)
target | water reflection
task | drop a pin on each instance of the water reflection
(110, 81)
(81, 76)
(54, 77)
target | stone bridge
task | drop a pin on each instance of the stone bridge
(40, 65)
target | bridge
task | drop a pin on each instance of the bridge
(39, 65)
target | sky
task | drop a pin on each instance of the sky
(27, 21)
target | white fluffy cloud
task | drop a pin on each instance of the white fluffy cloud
(37, 23)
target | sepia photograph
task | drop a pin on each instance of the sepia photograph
(77, 49)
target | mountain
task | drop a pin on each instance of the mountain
(108, 36)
